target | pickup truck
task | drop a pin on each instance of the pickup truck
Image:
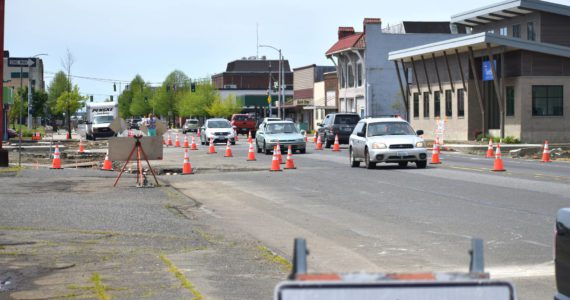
(244, 123)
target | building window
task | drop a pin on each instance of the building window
(510, 101)
(491, 31)
(448, 102)
(437, 104)
(17, 75)
(517, 30)
(530, 33)
(350, 76)
(460, 103)
(547, 100)
(426, 105)
(503, 31)
(416, 105)
(359, 74)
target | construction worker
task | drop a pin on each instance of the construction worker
(151, 125)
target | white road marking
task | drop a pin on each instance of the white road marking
(523, 271)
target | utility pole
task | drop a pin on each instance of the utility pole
(29, 96)
(279, 88)
(20, 120)
(3, 152)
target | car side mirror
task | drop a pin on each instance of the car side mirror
(360, 133)
(420, 132)
(319, 124)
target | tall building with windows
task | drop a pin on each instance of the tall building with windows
(508, 77)
(366, 77)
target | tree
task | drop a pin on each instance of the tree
(39, 100)
(58, 85)
(14, 113)
(141, 95)
(224, 108)
(70, 102)
(66, 63)
(196, 104)
(174, 88)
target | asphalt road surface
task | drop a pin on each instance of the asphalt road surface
(392, 219)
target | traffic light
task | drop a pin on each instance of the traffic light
(193, 87)
(91, 98)
(114, 87)
(111, 98)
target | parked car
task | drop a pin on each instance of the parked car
(341, 124)
(134, 123)
(267, 119)
(243, 123)
(283, 132)
(12, 133)
(562, 254)
(191, 125)
(386, 140)
(218, 129)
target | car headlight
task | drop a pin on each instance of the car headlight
(420, 145)
(300, 140)
(378, 146)
(273, 141)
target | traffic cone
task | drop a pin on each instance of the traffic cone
(249, 138)
(336, 146)
(439, 145)
(68, 136)
(81, 148)
(228, 150)
(290, 164)
(305, 136)
(198, 132)
(251, 153)
(193, 146)
(236, 135)
(435, 154)
(275, 165)
(490, 153)
(319, 143)
(278, 150)
(498, 165)
(211, 149)
(177, 142)
(186, 141)
(56, 163)
(169, 143)
(107, 165)
(186, 167)
(546, 153)
(315, 137)
(163, 140)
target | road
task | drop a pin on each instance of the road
(392, 219)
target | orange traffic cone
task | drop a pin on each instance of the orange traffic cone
(315, 138)
(185, 145)
(211, 149)
(336, 146)
(177, 142)
(435, 154)
(249, 138)
(193, 146)
(439, 145)
(163, 140)
(490, 153)
(251, 153)
(198, 132)
(68, 136)
(275, 165)
(56, 163)
(107, 165)
(186, 167)
(319, 143)
(498, 165)
(81, 148)
(228, 150)
(169, 143)
(236, 135)
(278, 150)
(546, 153)
(290, 164)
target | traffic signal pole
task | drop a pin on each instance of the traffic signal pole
(3, 152)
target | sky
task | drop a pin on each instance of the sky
(118, 39)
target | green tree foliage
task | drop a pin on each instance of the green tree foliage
(14, 112)
(196, 104)
(39, 100)
(173, 90)
(224, 108)
(136, 100)
(70, 101)
(58, 86)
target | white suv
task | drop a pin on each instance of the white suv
(389, 140)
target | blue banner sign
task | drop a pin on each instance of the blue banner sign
(487, 72)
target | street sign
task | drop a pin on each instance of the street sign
(21, 62)
(8, 97)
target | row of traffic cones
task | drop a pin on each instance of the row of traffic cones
(277, 159)
(319, 143)
(36, 136)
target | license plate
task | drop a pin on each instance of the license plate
(347, 129)
(400, 153)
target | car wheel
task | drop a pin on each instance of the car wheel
(353, 162)
(403, 164)
(265, 150)
(303, 151)
(257, 147)
(421, 164)
(327, 142)
(369, 164)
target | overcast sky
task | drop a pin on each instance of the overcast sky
(117, 39)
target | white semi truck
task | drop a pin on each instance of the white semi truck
(98, 118)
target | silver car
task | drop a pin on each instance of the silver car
(284, 132)
(191, 125)
(220, 130)
(388, 140)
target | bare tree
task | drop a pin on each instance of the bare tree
(66, 63)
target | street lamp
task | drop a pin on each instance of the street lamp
(280, 96)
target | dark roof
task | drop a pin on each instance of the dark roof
(256, 66)
(426, 27)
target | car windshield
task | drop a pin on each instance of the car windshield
(346, 119)
(103, 119)
(219, 124)
(390, 128)
(241, 118)
(191, 121)
(281, 128)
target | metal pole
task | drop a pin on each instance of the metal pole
(282, 85)
(29, 97)
(20, 122)
(279, 87)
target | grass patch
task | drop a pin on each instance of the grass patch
(183, 280)
(275, 258)
(10, 170)
(99, 288)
